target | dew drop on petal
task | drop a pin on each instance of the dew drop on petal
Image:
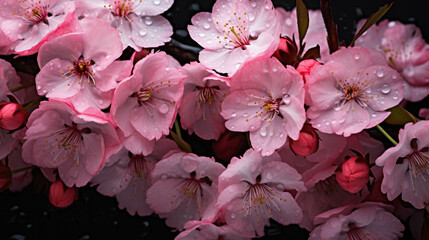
(337, 106)
(142, 32)
(253, 4)
(380, 73)
(268, 6)
(232, 216)
(251, 16)
(253, 34)
(286, 99)
(252, 128)
(156, 2)
(395, 97)
(368, 90)
(202, 35)
(234, 114)
(288, 22)
(318, 125)
(374, 115)
(357, 57)
(163, 108)
(280, 187)
(263, 131)
(269, 176)
(385, 89)
(164, 177)
(148, 21)
(281, 135)
(237, 66)
(391, 24)
(206, 26)
(39, 87)
(245, 115)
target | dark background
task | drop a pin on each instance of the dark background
(29, 215)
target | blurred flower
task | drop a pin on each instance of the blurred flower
(61, 196)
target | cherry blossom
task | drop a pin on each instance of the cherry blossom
(352, 90)
(203, 95)
(405, 166)
(145, 105)
(128, 177)
(75, 144)
(364, 221)
(80, 68)
(184, 187)
(266, 99)
(138, 21)
(237, 31)
(30, 23)
(406, 51)
(254, 189)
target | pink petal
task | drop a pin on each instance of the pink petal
(270, 136)
(204, 31)
(149, 32)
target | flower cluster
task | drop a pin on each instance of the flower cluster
(290, 119)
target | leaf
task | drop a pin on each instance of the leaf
(331, 28)
(184, 146)
(303, 19)
(400, 116)
(371, 21)
(312, 53)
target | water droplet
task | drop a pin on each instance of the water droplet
(253, 35)
(269, 176)
(394, 76)
(357, 57)
(268, 6)
(44, 91)
(281, 135)
(263, 131)
(253, 4)
(395, 97)
(385, 89)
(337, 106)
(148, 21)
(274, 68)
(164, 177)
(39, 87)
(327, 123)
(245, 114)
(251, 16)
(163, 108)
(143, 32)
(288, 22)
(374, 115)
(252, 128)
(267, 25)
(206, 26)
(238, 65)
(280, 187)
(202, 35)
(209, 42)
(286, 99)
(232, 216)
(368, 91)
(380, 72)
(391, 24)
(156, 2)
(318, 125)
(234, 115)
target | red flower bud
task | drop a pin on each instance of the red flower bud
(305, 67)
(230, 144)
(12, 115)
(60, 197)
(5, 177)
(353, 174)
(287, 51)
(307, 143)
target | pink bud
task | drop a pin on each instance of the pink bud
(307, 143)
(305, 67)
(12, 115)
(5, 177)
(287, 51)
(353, 174)
(230, 144)
(60, 197)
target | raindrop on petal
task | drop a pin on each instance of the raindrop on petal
(156, 2)
(142, 32)
(234, 114)
(206, 26)
(148, 21)
(263, 131)
(286, 99)
(380, 72)
(163, 108)
(164, 177)
(232, 216)
(385, 89)
(288, 22)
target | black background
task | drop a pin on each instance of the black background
(28, 214)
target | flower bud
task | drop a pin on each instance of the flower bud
(230, 144)
(287, 51)
(307, 143)
(60, 197)
(5, 177)
(353, 174)
(305, 67)
(12, 115)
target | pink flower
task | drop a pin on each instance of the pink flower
(405, 166)
(80, 68)
(266, 99)
(30, 23)
(138, 21)
(254, 189)
(75, 144)
(352, 91)
(364, 221)
(12, 115)
(287, 52)
(304, 68)
(61, 196)
(236, 32)
(307, 142)
(128, 177)
(406, 51)
(353, 174)
(316, 32)
(184, 187)
(145, 105)
(202, 98)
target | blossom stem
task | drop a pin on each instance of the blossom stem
(177, 128)
(21, 87)
(22, 169)
(386, 135)
(35, 101)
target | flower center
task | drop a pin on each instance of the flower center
(235, 31)
(418, 161)
(357, 233)
(82, 69)
(207, 94)
(354, 89)
(271, 108)
(122, 8)
(143, 95)
(34, 11)
(139, 165)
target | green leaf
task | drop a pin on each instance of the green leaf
(371, 21)
(184, 146)
(303, 19)
(400, 116)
